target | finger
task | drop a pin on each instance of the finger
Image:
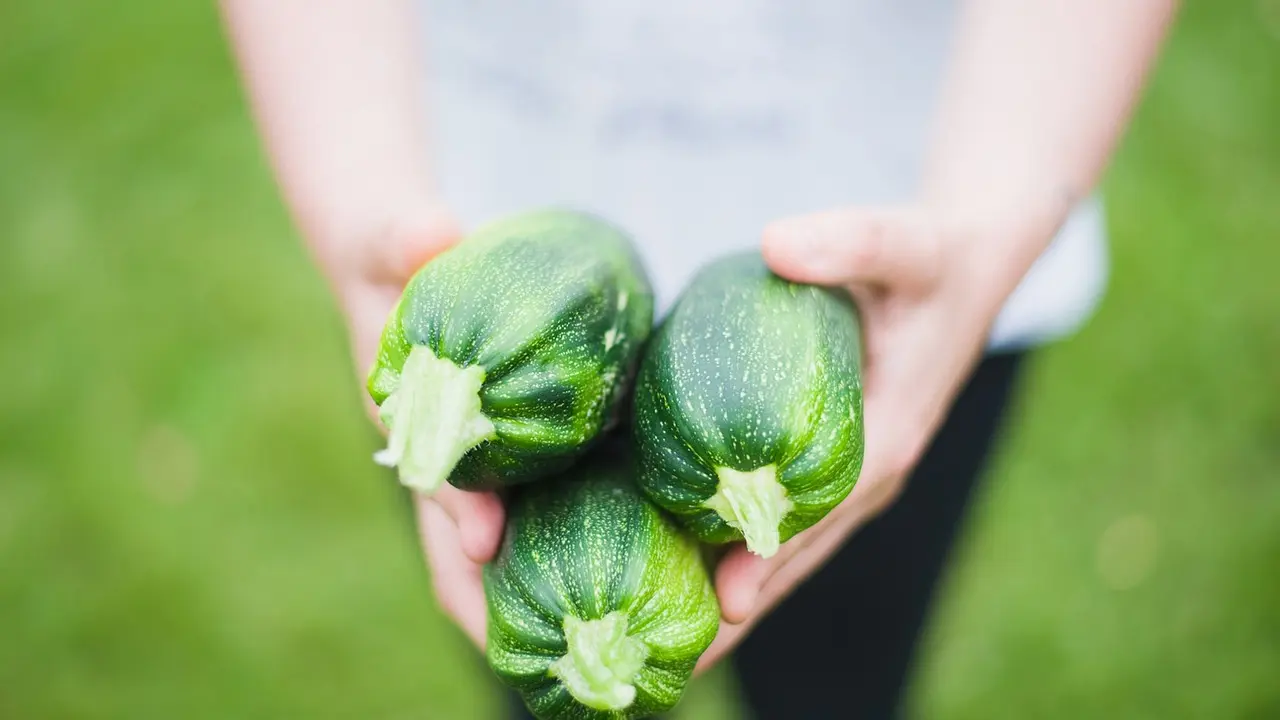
(741, 575)
(727, 638)
(410, 243)
(889, 247)
(738, 579)
(384, 264)
(478, 518)
(457, 581)
(751, 586)
(787, 576)
(743, 578)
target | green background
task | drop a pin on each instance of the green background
(191, 526)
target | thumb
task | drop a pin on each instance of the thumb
(887, 247)
(383, 264)
(409, 243)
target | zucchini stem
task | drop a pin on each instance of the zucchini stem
(754, 503)
(434, 417)
(602, 662)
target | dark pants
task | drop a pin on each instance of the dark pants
(841, 645)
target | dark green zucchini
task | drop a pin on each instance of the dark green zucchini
(599, 605)
(748, 405)
(508, 353)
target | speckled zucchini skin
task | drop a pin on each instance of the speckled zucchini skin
(750, 370)
(554, 305)
(588, 544)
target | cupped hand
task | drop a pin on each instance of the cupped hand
(928, 285)
(460, 531)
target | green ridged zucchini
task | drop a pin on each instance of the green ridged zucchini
(748, 405)
(507, 354)
(599, 605)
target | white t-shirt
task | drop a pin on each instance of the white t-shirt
(694, 124)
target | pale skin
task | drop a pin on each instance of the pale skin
(1037, 95)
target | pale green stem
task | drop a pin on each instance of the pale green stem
(755, 503)
(434, 417)
(602, 662)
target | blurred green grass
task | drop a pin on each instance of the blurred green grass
(190, 524)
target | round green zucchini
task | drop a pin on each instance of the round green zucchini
(748, 405)
(599, 605)
(508, 353)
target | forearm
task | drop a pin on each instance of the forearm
(335, 90)
(1038, 93)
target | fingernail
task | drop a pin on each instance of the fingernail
(744, 602)
(472, 543)
(748, 604)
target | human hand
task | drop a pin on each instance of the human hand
(928, 285)
(460, 531)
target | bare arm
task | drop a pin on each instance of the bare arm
(1038, 92)
(336, 92)
(335, 88)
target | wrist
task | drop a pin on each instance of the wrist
(1021, 216)
(994, 247)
